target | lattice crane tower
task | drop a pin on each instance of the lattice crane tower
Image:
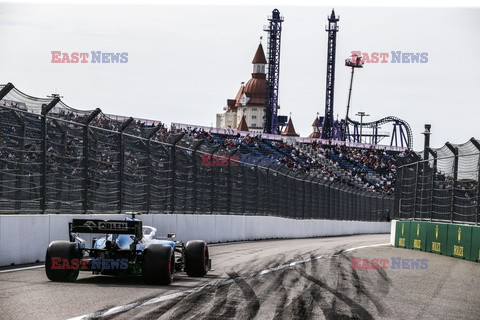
(274, 29)
(327, 126)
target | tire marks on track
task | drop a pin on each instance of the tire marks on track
(322, 286)
(249, 296)
(358, 311)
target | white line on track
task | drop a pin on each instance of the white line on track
(372, 245)
(165, 297)
(20, 269)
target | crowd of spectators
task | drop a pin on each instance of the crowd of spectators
(367, 168)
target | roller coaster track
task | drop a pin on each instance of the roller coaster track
(390, 119)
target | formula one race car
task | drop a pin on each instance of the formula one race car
(128, 248)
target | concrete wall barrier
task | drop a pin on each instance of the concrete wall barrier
(24, 238)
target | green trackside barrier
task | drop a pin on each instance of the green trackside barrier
(437, 237)
(402, 233)
(475, 253)
(418, 235)
(459, 241)
(456, 240)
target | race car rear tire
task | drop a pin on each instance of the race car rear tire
(158, 264)
(196, 258)
(59, 271)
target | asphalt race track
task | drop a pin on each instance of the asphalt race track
(282, 279)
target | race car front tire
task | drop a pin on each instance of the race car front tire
(158, 264)
(62, 270)
(196, 258)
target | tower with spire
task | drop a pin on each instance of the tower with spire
(316, 128)
(250, 101)
(289, 130)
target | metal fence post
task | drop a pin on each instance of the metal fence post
(477, 145)
(290, 185)
(271, 205)
(454, 150)
(86, 182)
(279, 191)
(149, 166)
(6, 89)
(229, 180)
(61, 168)
(415, 196)
(478, 192)
(304, 182)
(43, 132)
(434, 169)
(121, 162)
(326, 199)
(173, 161)
(212, 181)
(3, 92)
(244, 188)
(255, 194)
(297, 182)
(358, 205)
(194, 174)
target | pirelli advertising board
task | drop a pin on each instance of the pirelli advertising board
(418, 235)
(437, 237)
(456, 240)
(459, 241)
(402, 234)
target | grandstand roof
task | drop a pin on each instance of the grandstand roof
(243, 124)
(289, 129)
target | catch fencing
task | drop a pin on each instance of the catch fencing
(55, 159)
(442, 187)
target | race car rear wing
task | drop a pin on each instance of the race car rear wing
(106, 227)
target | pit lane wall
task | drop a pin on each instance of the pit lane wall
(450, 239)
(24, 238)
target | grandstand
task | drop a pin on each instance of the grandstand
(371, 167)
(58, 159)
